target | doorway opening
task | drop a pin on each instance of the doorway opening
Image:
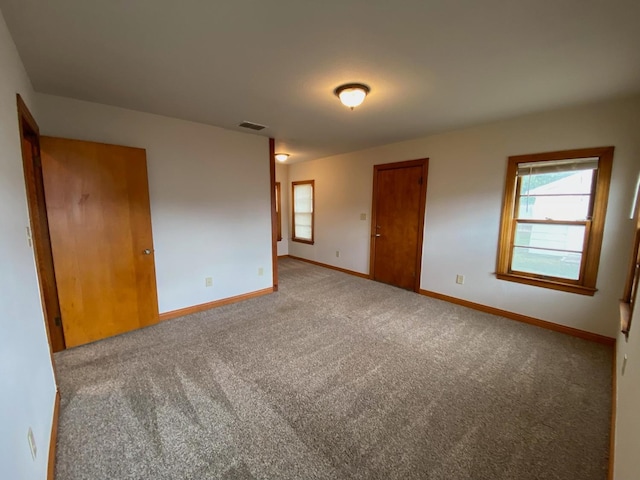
(39, 225)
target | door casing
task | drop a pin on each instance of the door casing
(39, 225)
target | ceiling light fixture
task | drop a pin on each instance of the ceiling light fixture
(282, 157)
(352, 94)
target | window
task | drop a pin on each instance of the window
(302, 195)
(633, 278)
(553, 219)
(278, 211)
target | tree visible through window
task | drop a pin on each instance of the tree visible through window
(553, 218)
(302, 206)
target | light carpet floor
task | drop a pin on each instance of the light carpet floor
(335, 377)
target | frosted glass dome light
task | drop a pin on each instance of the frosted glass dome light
(352, 94)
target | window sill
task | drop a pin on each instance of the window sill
(566, 287)
(301, 240)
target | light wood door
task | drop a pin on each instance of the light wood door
(399, 194)
(99, 217)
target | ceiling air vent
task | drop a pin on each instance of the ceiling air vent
(252, 126)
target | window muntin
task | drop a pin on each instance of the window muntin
(303, 206)
(553, 218)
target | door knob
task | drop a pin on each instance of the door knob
(378, 235)
(146, 251)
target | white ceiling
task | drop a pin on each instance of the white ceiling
(432, 65)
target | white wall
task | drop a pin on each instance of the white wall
(464, 198)
(282, 176)
(627, 460)
(210, 196)
(343, 189)
(27, 388)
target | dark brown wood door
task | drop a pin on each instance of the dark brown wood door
(99, 217)
(397, 223)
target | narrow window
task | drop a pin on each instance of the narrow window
(553, 218)
(279, 211)
(303, 200)
(633, 277)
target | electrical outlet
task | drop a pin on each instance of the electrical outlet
(208, 282)
(260, 271)
(32, 444)
(338, 253)
(460, 279)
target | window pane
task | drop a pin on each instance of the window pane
(545, 262)
(303, 225)
(303, 219)
(303, 198)
(557, 183)
(569, 207)
(557, 237)
(303, 232)
(555, 196)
